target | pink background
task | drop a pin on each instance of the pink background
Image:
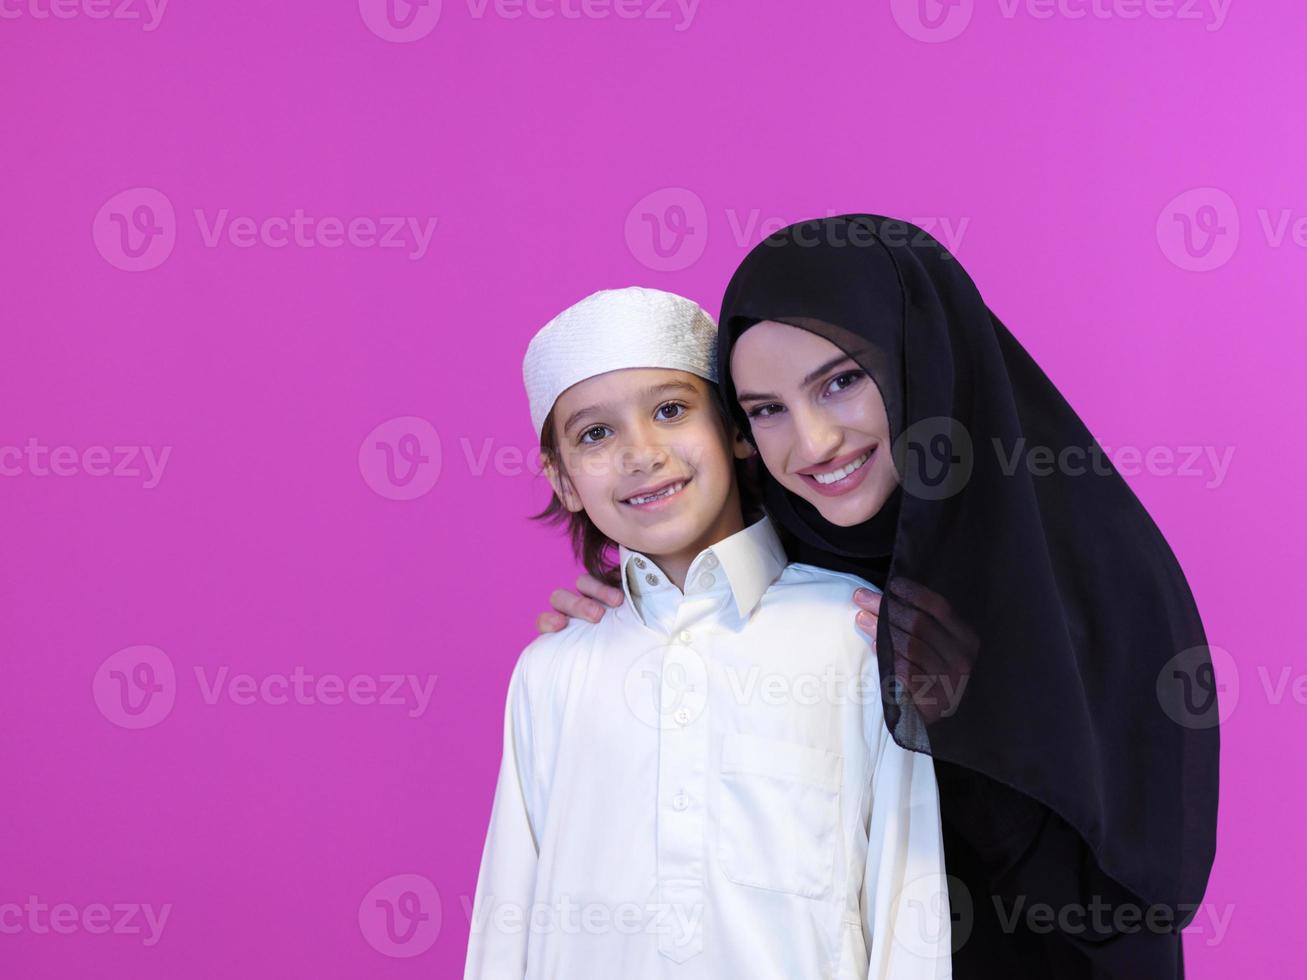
(274, 538)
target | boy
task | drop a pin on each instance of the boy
(701, 784)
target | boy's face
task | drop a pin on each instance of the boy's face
(649, 459)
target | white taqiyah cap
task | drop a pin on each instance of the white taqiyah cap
(614, 329)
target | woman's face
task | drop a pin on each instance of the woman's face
(818, 419)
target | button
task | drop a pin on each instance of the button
(640, 563)
(711, 561)
(685, 636)
(680, 801)
(682, 716)
(707, 580)
(651, 578)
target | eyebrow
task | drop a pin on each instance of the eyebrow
(581, 414)
(753, 396)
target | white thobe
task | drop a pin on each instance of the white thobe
(701, 785)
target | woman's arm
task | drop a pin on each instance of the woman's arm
(589, 604)
(934, 649)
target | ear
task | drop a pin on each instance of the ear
(562, 485)
(742, 447)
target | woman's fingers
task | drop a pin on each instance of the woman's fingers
(917, 609)
(550, 622)
(590, 586)
(911, 651)
(867, 599)
(868, 611)
(584, 606)
(578, 607)
(937, 607)
(918, 635)
(928, 663)
(916, 653)
(924, 629)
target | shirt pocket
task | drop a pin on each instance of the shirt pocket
(778, 807)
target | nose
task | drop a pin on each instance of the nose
(644, 452)
(816, 437)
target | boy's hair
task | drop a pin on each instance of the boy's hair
(591, 546)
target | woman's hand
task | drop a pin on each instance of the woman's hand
(934, 649)
(570, 605)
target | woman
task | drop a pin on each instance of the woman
(1035, 634)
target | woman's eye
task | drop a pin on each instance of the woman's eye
(842, 382)
(670, 411)
(765, 411)
(585, 436)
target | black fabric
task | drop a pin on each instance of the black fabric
(1077, 753)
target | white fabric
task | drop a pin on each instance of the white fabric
(676, 801)
(612, 329)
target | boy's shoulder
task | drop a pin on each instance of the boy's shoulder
(813, 603)
(820, 586)
(577, 635)
(799, 574)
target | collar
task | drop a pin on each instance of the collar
(751, 559)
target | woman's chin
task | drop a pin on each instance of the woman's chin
(856, 507)
(846, 516)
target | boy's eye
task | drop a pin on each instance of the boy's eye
(765, 411)
(845, 380)
(669, 411)
(585, 436)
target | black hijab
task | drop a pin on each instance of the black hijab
(1052, 603)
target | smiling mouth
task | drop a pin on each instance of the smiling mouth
(668, 491)
(848, 469)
